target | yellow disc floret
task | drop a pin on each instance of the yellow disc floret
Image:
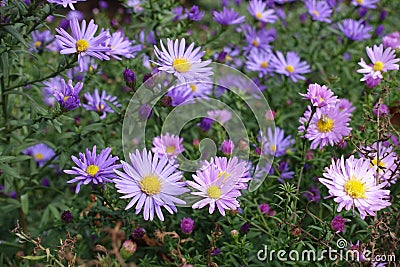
(378, 66)
(355, 188)
(82, 45)
(92, 170)
(181, 65)
(214, 192)
(325, 124)
(150, 185)
(39, 156)
(289, 68)
(170, 150)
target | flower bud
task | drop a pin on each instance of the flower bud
(128, 249)
(130, 78)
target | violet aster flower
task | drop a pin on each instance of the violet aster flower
(93, 168)
(392, 40)
(327, 126)
(68, 95)
(283, 171)
(355, 30)
(318, 10)
(185, 64)
(151, 183)
(187, 225)
(380, 110)
(189, 91)
(235, 169)
(312, 194)
(290, 66)
(120, 46)
(222, 116)
(65, 3)
(352, 182)
(40, 152)
(258, 40)
(96, 102)
(382, 60)
(260, 62)
(338, 223)
(266, 209)
(167, 145)
(227, 17)
(365, 3)
(48, 89)
(346, 106)
(385, 159)
(83, 42)
(40, 40)
(258, 9)
(275, 143)
(178, 12)
(195, 14)
(320, 96)
(75, 14)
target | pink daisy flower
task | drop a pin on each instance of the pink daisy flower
(222, 116)
(167, 145)
(382, 61)
(352, 182)
(320, 96)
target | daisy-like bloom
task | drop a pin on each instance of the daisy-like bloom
(66, 3)
(392, 40)
(258, 40)
(260, 62)
(345, 106)
(167, 145)
(191, 90)
(290, 66)
(355, 30)
(185, 64)
(382, 61)
(120, 46)
(352, 182)
(96, 102)
(151, 183)
(68, 95)
(237, 169)
(40, 40)
(284, 171)
(275, 143)
(216, 187)
(259, 10)
(365, 3)
(227, 17)
(40, 152)
(93, 168)
(194, 13)
(318, 10)
(327, 126)
(320, 96)
(50, 86)
(222, 116)
(384, 158)
(83, 42)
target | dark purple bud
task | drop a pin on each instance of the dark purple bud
(130, 78)
(66, 216)
(215, 252)
(379, 30)
(187, 225)
(227, 147)
(362, 12)
(205, 124)
(338, 224)
(383, 15)
(148, 81)
(103, 4)
(45, 182)
(245, 228)
(138, 233)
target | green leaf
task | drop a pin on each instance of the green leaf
(8, 170)
(34, 103)
(25, 203)
(5, 159)
(92, 128)
(34, 258)
(16, 34)
(5, 68)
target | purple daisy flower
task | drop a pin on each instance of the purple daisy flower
(365, 3)
(189, 91)
(93, 168)
(185, 64)
(318, 10)
(275, 143)
(167, 145)
(151, 183)
(346, 106)
(96, 102)
(68, 95)
(40, 40)
(50, 86)
(178, 12)
(259, 10)
(120, 46)
(40, 152)
(387, 163)
(283, 171)
(382, 61)
(222, 116)
(352, 182)
(260, 62)
(194, 13)
(320, 96)
(83, 42)
(65, 3)
(327, 126)
(312, 194)
(227, 17)
(392, 40)
(258, 40)
(355, 30)
(291, 66)
(215, 188)
(232, 168)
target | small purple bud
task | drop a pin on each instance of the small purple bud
(187, 225)
(205, 124)
(130, 78)
(379, 30)
(245, 228)
(138, 233)
(338, 224)
(382, 15)
(227, 147)
(66, 216)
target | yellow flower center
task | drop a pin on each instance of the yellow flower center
(316, 13)
(375, 163)
(100, 107)
(255, 43)
(39, 156)
(325, 124)
(82, 45)
(181, 65)
(258, 15)
(378, 66)
(66, 98)
(289, 68)
(214, 192)
(273, 148)
(150, 185)
(228, 58)
(38, 43)
(170, 150)
(264, 64)
(354, 188)
(193, 87)
(360, 1)
(223, 174)
(92, 170)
